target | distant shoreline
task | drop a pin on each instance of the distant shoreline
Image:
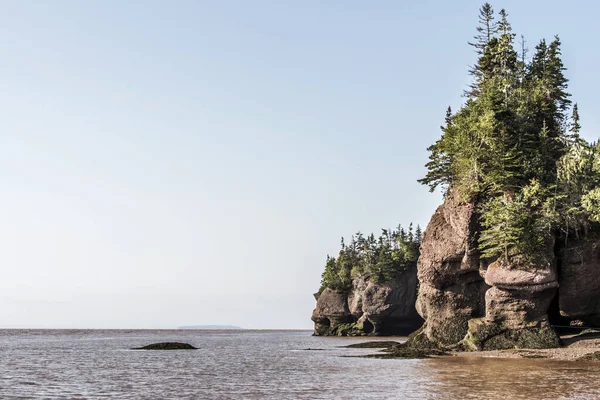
(67, 330)
(212, 327)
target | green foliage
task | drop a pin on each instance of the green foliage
(511, 149)
(578, 187)
(517, 226)
(378, 259)
(591, 203)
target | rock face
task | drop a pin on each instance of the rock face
(579, 290)
(469, 302)
(451, 288)
(516, 307)
(331, 312)
(474, 302)
(369, 308)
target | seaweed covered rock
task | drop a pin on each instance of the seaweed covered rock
(410, 352)
(591, 357)
(494, 335)
(167, 346)
(451, 289)
(383, 344)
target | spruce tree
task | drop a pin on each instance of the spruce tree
(486, 30)
(378, 259)
(418, 235)
(575, 125)
(510, 149)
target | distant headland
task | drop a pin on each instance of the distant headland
(212, 327)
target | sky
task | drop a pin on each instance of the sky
(193, 162)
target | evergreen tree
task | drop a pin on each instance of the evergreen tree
(575, 125)
(440, 160)
(486, 30)
(591, 204)
(510, 150)
(503, 226)
(418, 235)
(378, 259)
(448, 119)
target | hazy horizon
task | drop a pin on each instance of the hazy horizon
(170, 164)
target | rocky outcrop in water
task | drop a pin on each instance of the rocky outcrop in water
(167, 346)
(483, 304)
(516, 306)
(331, 312)
(451, 289)
(369, 308)
(467, 301)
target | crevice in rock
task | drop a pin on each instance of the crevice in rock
(368, 327)
(559, 322)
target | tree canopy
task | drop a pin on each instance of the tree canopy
(514, 147)
(378, 259)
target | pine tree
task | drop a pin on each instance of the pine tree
(439, 160)
(557, 82)
(507, 55)
(575, 125)
(591, 203)
(486, 30)
(418, 235)
(548, 85)
(448, 119)
(522, 64)
(379, 259)
(511, 150)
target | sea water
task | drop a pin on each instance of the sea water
(279, 365)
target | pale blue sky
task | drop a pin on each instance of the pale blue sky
(189, 162)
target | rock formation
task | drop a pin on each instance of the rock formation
(470, 302)
(483, 304)
(167, 346)
(451, 289)
(467, 301)
(331, 312)
(579, 280)
(516, 307)
(369, 308)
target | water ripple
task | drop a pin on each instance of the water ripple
(96, 364)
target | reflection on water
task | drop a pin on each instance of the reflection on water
(263, 365)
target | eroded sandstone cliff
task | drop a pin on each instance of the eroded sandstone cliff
(579, 280)
(369, 308)
(483, 304)
(467, 301)
(451, 289)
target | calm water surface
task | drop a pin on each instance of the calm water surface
(96, 364)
